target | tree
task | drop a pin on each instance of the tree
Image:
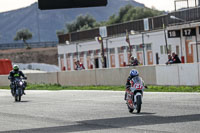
(126, 13)
(130, 12)
(60, 32)
(82, 23)
(24, 35)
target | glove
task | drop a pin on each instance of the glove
(128, 86)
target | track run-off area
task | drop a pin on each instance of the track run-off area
(98, 111)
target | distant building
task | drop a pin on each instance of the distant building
(181, 37)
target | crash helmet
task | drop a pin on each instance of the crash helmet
(132, 57)
(15, 67)
(134, 73)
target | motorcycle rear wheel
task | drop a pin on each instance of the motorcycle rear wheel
(16, 99)
(130, 110)
(19, 98)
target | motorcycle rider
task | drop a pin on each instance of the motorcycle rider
(133, 73)
(15, 73)
(79, 65)
(134, 61)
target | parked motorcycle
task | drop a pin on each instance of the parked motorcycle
(19, 86)
(135, 94)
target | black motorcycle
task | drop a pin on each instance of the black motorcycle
(19, 85)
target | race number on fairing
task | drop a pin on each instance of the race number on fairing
(138, 86)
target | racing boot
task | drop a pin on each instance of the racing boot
(12, 92)
(23, 92)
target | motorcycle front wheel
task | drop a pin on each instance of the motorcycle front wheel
(139, 103)
(17, 98)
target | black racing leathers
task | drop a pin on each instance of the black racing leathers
(15, 74)
(128, 85)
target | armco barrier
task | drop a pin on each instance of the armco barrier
(189, 74)
(148, 73)
(177, 74)
(42, 78)
(117, 76)
(110, 77)
(167, 75)
(77, 78)
(33, 78)
(4, 80)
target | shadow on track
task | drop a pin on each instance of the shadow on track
(143, 113)
(22, 102)
(112, 123)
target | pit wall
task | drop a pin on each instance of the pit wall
(181, 74)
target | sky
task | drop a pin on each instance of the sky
(7, 5)
(166, 5)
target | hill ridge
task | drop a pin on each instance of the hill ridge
(48, 21)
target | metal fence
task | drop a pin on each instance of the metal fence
(32, 45)
(186, 16)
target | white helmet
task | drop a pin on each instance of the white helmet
(15, 67)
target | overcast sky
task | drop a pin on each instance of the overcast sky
(167, 5)
(6, 5)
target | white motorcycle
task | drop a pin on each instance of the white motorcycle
(135, 94)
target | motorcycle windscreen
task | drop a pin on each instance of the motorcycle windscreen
(137, 80)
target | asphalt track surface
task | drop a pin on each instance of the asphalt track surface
(98, 112)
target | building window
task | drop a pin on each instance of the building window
(120, 50)
(177, 50)
(112, 51)
(69, 54)
(188, 37)
(96, 52)
(89, 53)
(82, 54)
(128, 48)
(166, 49)
(133, 46)
(169, 48)
(148, 47)
(161, 49)
(139, 48)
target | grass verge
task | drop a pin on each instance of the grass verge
(112, 88)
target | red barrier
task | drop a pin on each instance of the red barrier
(5, 66)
